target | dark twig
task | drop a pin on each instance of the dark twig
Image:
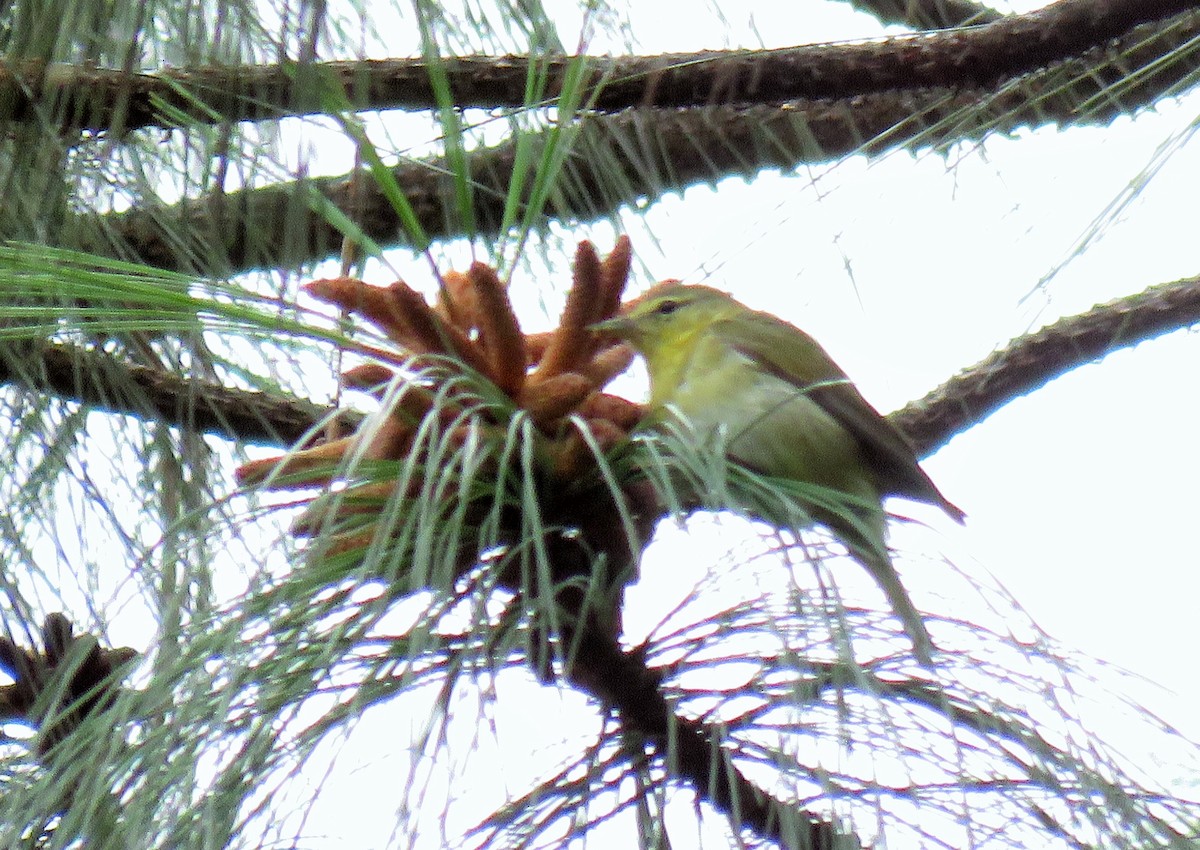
(928, 14)
(89, 688)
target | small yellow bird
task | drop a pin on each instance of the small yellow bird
(788, 412)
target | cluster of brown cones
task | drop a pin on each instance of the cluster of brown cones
(556, 378)
(90, 687)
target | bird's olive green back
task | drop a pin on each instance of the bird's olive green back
(670, 314)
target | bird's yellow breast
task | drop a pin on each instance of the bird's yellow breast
(770, 424)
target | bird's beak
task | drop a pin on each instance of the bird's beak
(618, 326)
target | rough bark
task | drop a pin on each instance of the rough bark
(98, 100)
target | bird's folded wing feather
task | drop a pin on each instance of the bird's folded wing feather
(793, 356)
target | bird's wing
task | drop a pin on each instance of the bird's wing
(793, 356)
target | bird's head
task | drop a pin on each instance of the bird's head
(667, 315)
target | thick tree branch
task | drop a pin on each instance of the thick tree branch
(623, 681)
(1025, 365)
(974, 57)
(102, 382)
(1032, 361)
(643, 154)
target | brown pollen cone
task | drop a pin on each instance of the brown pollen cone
(554, 379)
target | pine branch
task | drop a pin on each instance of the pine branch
(693, 749)
(1032, 361)
(1025, 365)
(102, 382)
(974, 57)
(644, 154)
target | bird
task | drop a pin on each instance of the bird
(787, 411)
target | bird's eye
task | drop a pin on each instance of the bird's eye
(666, 308)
